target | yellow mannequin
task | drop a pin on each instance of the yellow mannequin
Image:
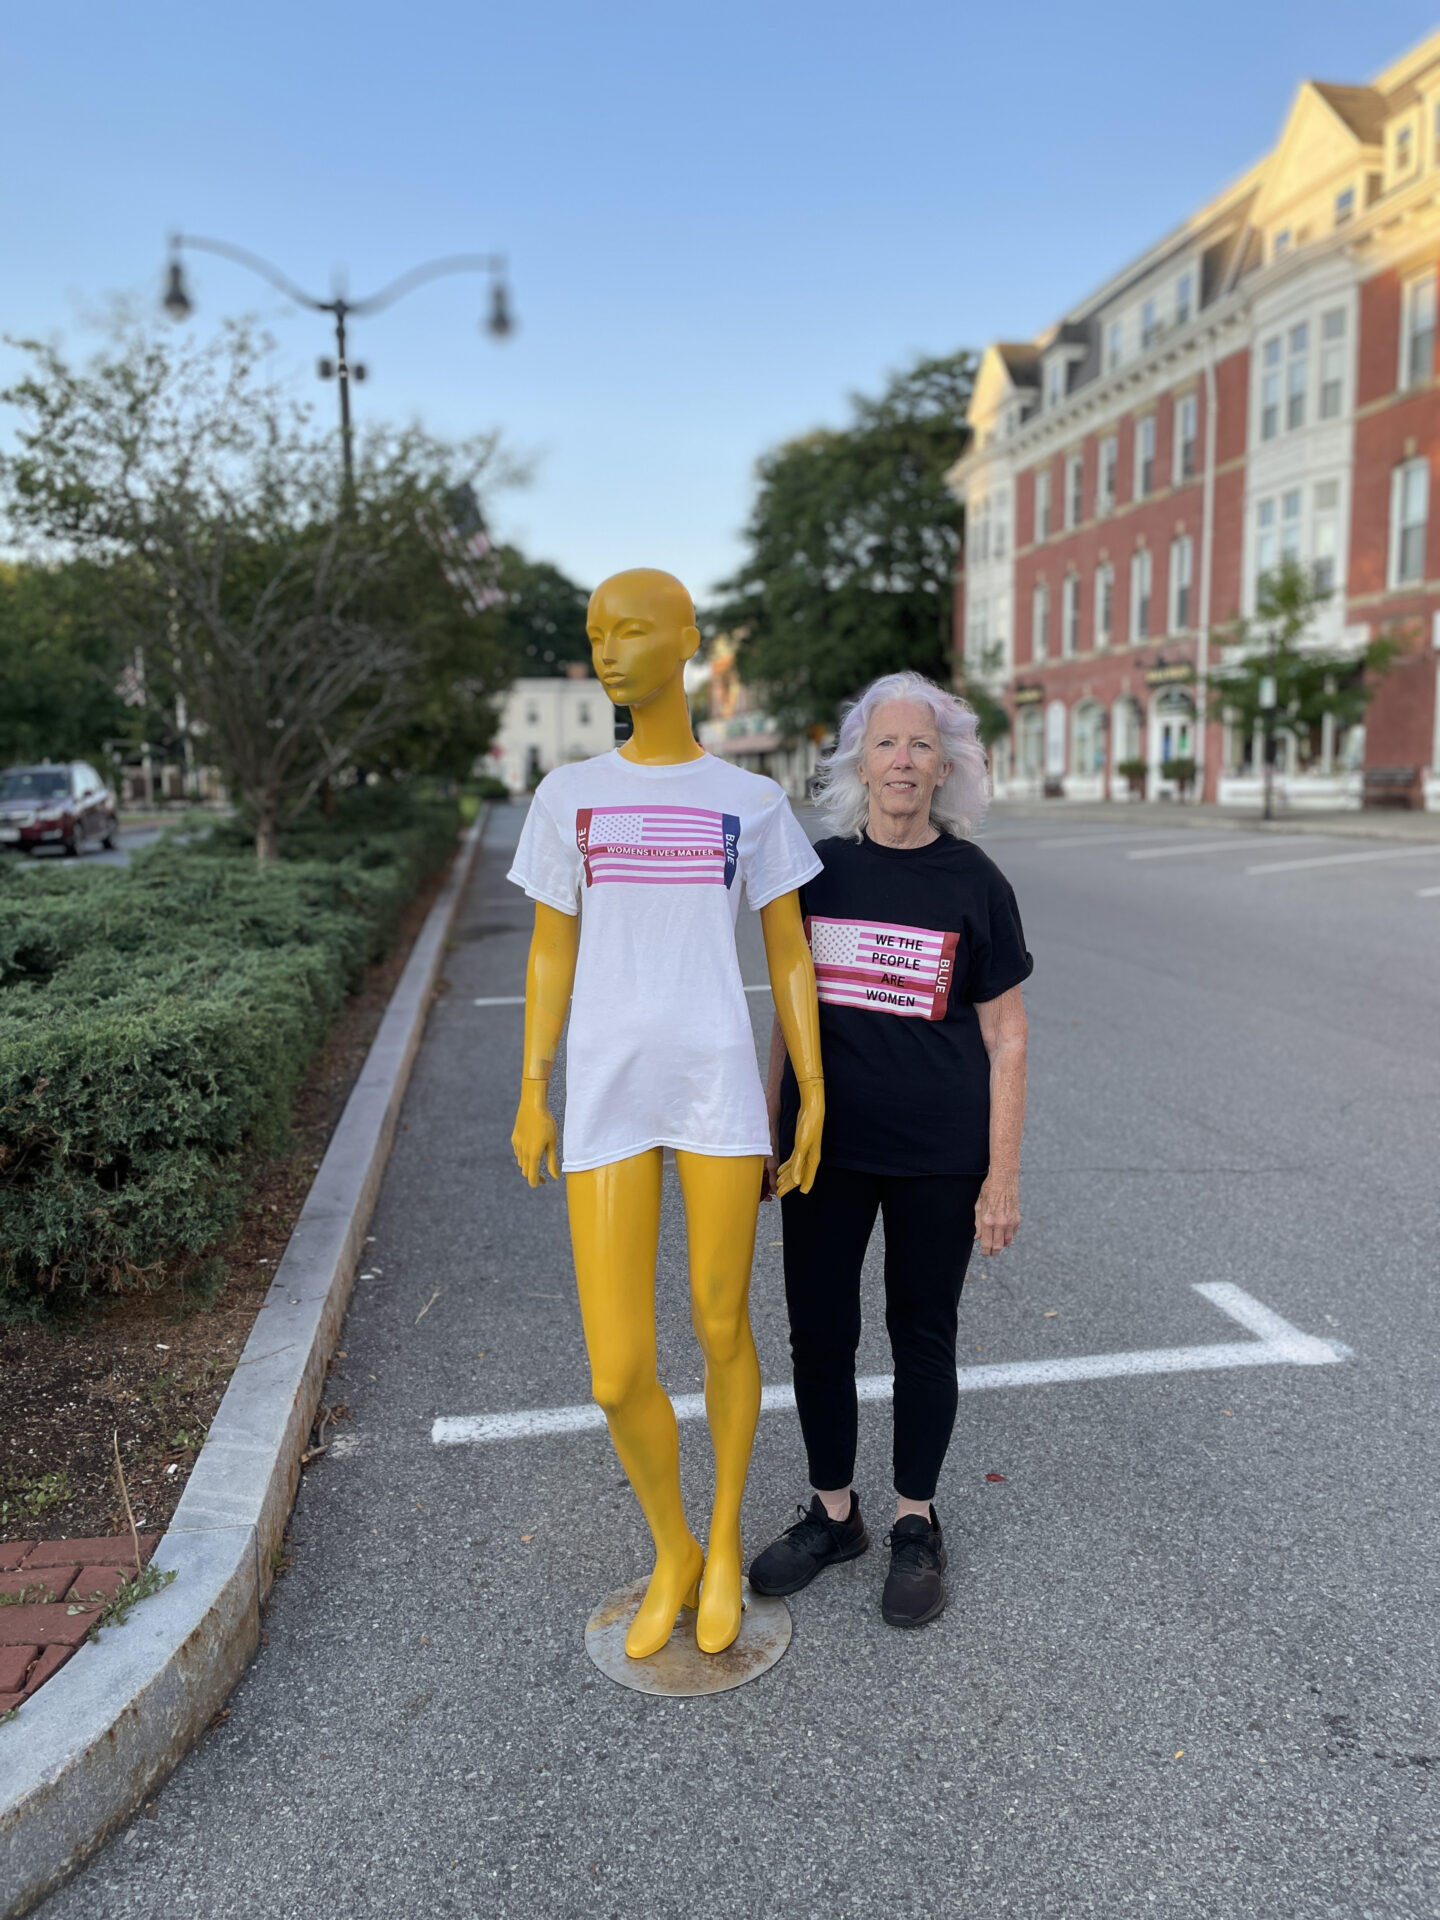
(642, 631)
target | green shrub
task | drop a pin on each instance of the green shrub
(154, 1023)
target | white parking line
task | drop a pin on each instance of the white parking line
(1276, 1344)
(1235, 844)
(501, 1000)
(1348, 859)
(1105, 839)
(1427, 893)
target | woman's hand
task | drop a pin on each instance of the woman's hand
(997, 1211)
(535, 1136)
(768, 1176)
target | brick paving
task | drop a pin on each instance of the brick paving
(50, 1593)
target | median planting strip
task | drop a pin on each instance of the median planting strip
(122, 1711)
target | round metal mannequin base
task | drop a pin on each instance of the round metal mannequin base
(680, 1670)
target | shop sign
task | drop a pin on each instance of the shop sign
(1027, 696)
(1169, 676)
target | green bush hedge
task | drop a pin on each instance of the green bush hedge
(154, 1023)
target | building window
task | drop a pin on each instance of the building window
(1104, 603)
(1325, 534)
(1297, 375)
(1074, 483)
(1140, 581)
(1267, 539)
(1145, 456)
(1417, 331)
(999, 505)
(532, 716)
(1182, 558)
(1070, 615)
(1282, 244)
(1040, 622)
(1185, 416)
(1109, 467)
(1332, 363)
(1270, 389)
(1042, 503)
(1184, 298)
(1344, 206)
(1112, 346)
(1409, 508)
(1404, 149)
(582, 713)
(1055, 383)
(1290, 524)
(1149, 324)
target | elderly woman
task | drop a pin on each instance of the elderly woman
(919, 956)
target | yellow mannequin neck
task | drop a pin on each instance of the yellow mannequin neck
(663, 736)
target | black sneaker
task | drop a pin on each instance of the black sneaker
(914, 1589)
(812, 1544)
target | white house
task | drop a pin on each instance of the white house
(546, 722)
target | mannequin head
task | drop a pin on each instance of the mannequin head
(642, 630)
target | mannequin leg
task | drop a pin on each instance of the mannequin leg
(722, 1198)
(614, 1231)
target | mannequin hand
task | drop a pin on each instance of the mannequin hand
(534, 1138)
(804, 1162)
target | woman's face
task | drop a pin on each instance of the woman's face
(901, 764)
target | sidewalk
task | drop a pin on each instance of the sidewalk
(1145, 815)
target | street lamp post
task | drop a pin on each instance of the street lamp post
(498, 322)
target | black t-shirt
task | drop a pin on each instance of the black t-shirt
(905, 941)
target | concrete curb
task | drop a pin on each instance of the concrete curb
(118, 1717)
(1145, 816)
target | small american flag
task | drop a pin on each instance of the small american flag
(658, 845)
(883, 968)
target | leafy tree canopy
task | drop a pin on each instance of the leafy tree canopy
(542, 623)
(852, 545)
(61, 661)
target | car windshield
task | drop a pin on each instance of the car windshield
(34, 783)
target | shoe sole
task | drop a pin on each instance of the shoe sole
(906, 1620)
(798, 1586)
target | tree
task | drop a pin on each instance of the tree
(853, 540)
(543, 620)
(61, 661)
(297, 620)
(1274, 685)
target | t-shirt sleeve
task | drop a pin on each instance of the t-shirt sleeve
(547, 861)
(782, 858)
(999, 959)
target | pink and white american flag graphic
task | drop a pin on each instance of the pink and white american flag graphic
(676, 846)
(882, 968)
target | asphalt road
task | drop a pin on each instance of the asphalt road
(1189, 1666)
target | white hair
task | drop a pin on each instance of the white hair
(959, 802)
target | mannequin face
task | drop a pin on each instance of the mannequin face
(642, 630)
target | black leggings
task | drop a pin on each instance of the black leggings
(929, 1231)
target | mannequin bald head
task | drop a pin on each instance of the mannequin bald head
(642, 630)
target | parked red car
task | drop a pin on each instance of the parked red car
(61, 803)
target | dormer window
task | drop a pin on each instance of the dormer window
(1055, 383)
(1404, 149)
(1344, 206)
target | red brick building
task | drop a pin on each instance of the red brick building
(1259, 386)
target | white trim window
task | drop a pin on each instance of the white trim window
(1149, 324)
(1182, 573)
(1297, 376)
(1186, 415)
(1267, 540)
(1042, 503)
(1104, 603)
(1417, 330)
(1184, 298)
(1409, 511)
(1108, 471)
(1055, 383)
(1040, 621)
(1144, 478)
(1000, 523)
(1074, 489)
(1332, 364)
(977, 635)
(1325, 534)
(978, 532)
(1114, 346)
(1270, 389)
(1402, 153)
(1142, 575)
(1070, 615)
(1290, 525)
(1344, 206)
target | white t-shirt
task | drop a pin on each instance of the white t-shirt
(660, 1050)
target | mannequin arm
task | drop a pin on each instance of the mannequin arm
(549, 976)
(792, 981)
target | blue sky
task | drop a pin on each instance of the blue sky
(721, 219)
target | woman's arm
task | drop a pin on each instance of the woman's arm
(1005, 1031)
(797, 1012)
(549, 976)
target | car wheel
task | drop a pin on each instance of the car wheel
(111, 829)
(74, 846)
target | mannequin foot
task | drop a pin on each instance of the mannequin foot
(717, 1624)
(675, 1583)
